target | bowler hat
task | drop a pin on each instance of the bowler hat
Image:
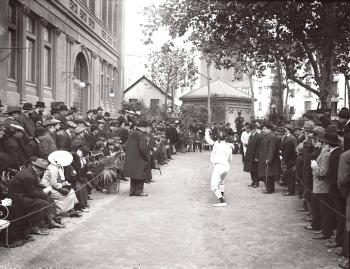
(99, 108)
(13, 109)
(308, 126)
(51, 122)
(40, 104)
(330, 138)
(27, 106)
(73, 108)
(39, 131)
(40, 163)
(107, 114)
(344, 113)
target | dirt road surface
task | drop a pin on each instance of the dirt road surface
(177, 227)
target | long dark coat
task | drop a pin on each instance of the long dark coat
(344, 182)
(252, 152)
(269, 150)
(33, 149)
(288, 153)
(48, 143)
(63, 141)
(27, 123)
(13, 147)
(29, 196)
(36, 118)
(137, 160)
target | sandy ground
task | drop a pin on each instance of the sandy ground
(177, 227)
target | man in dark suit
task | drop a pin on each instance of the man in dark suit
(33, 148)
(289, 155)
(138, 160)
(336, 198)
(36, 115)
(25, 185)
(25, 121)
(269, 165)
(251, 159)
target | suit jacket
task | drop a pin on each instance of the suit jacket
(77, 140)
(15, 150)
(25, 185)
(332, 176)
(33, 149)
(344, 182)
(123, 133)
(320, 173)
(63, 141)
(252, 152)
(27, 123)
(269, 150)
(48, 143)
(137, 160)
(36, 118)
(347, 136)
(288, 145)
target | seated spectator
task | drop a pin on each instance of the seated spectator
(61, 192)
(31, 198)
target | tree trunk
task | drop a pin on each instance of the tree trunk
(252, 94)
(208, 82)
(286, 112)
(166, 98)
(327, 56)
(347, 87)
(172, 100)
(280, 89)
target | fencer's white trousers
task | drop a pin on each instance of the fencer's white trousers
(218, 175)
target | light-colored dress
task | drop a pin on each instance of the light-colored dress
(54, 177)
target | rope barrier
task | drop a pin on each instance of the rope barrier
(329, 206)
(47, 206)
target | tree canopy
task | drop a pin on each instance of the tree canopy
(309, 38)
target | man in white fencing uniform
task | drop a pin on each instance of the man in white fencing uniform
(220, 158)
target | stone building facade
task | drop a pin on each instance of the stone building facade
(62, 50)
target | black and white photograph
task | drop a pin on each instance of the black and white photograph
(174, 134)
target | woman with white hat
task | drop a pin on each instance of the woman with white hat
(62, 192)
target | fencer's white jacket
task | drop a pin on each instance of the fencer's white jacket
(222, 151)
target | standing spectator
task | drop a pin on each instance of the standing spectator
(344, 187)
(251, 159)
(25, 120)
(289, 155)
(239, 123)
(269, 165)
(48, 141)
(344, 124)
(33, 146)
(37, 114)
(138, 161)
(64, 137)
(13, 118)
(245, 137)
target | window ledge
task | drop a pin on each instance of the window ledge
(11, 80)
(28, 83)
